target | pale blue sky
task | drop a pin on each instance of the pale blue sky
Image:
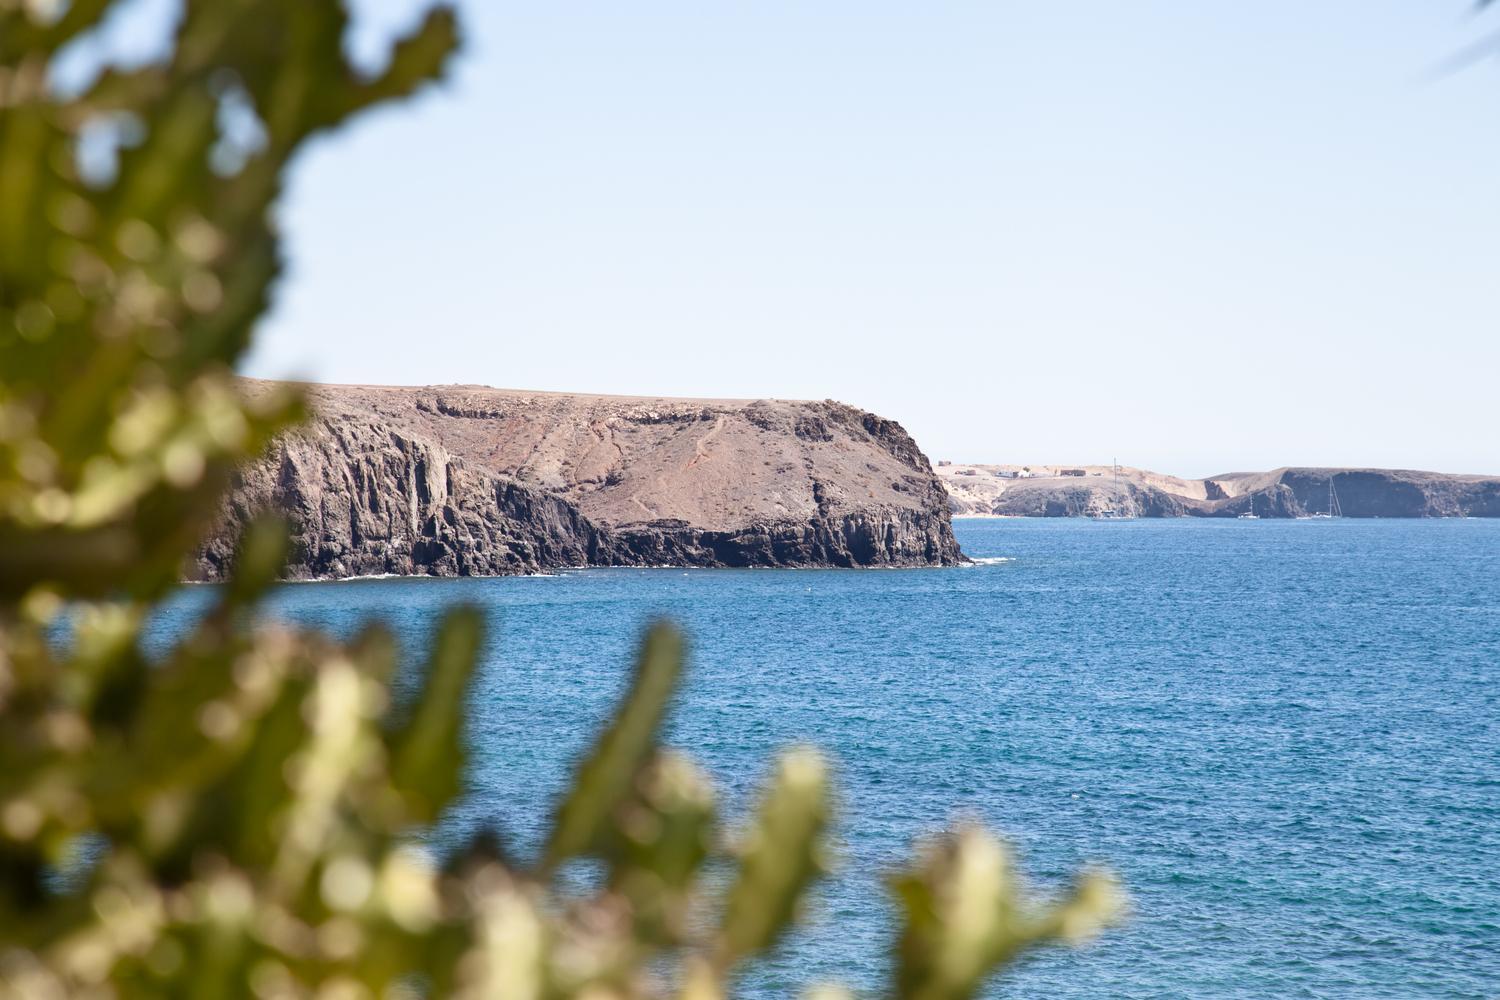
(1199, 236)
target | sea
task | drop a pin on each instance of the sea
(1284, 736)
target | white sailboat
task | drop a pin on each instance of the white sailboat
(1109, 513)
(1250, 514)
(1333, 504)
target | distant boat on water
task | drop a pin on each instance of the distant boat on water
(1109, 513)
(1250, 514)
(1333, 504)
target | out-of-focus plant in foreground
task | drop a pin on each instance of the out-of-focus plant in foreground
(241, 815)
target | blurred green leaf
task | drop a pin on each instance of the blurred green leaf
(427, 751)
(664, 834)
(782, 855)
(605, 777)
(966, 916)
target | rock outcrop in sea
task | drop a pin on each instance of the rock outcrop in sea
(1091, 491)
(471, 481)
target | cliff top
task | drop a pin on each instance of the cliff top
(717, 464)
(523, 394)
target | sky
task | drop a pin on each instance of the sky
(1194, 237)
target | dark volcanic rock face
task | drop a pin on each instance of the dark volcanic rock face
(1368, 493)
(471, 482)
(891, 537)
(362, 501)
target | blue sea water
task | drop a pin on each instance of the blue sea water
(1284, 735)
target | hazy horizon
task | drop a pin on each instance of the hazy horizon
(1194, 240)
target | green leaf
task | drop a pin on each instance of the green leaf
(664, 835)
(966, 916)
(781, 857)
(427, 755)
(417, 59)
(259, 562)
(605, 777)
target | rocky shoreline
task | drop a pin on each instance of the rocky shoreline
(472, 481)
(1094, 491)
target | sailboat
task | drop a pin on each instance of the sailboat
(1333, 504)
(1109, 513)
(1250, 514)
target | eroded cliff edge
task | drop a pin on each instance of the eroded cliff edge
(1083, 491)
(472, 481)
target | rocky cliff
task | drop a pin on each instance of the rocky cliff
(462, 481)
(1084, 491)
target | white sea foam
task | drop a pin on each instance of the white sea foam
(992, 560)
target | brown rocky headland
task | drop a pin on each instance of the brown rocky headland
(474, 481)
(1102, 490)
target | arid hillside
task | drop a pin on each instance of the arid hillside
(467, 480)
(1102, 490)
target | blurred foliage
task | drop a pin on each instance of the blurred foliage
(241, 815)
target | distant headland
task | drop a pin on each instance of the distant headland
(1116, 491)
(474, 481)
